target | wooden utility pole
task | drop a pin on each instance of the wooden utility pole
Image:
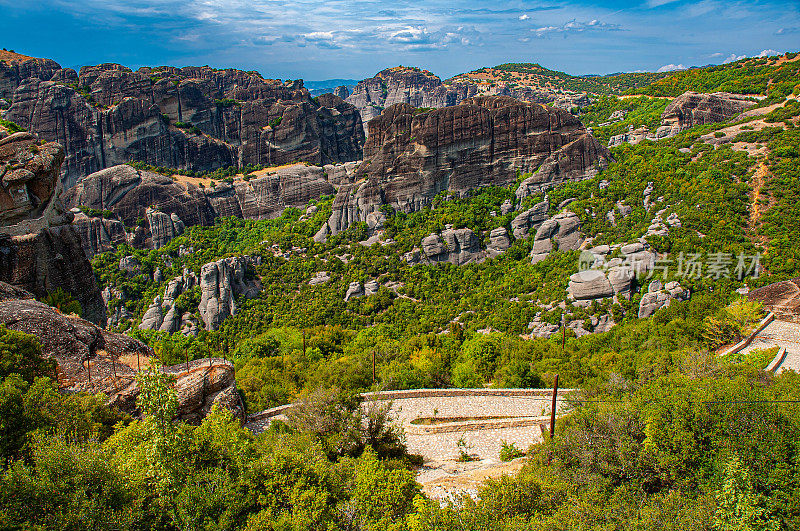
(138, 364)
(373, 367)
(113, 367)
(553, 409)
(563, 334)
(89, 369)
(187, 362)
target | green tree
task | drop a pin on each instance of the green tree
(738, 508)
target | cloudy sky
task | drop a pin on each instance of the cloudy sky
(315, 40)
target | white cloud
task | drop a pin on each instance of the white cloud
(657, 3)
(733, 57)
(576, 26)
(768, 53)
(671, 68)
(524, 17)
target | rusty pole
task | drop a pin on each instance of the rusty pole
(553, 409)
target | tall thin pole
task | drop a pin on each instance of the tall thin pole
(373, 367)
(553, 409)
(113, 367)
(138, 365)
(187, 361)
(304, 343)
(563, 334)
(89, 369)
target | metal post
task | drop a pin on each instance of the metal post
(138, 365)
(89, 369)
(553, 409)
(187, 362)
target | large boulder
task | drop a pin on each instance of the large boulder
(694, 108)
(660, 296)
(589, 284)
(563, 229)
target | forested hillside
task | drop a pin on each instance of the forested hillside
(661, 432)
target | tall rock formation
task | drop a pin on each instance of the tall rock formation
(195, 118)
(415, 87)
(40, 251)
(411, 156)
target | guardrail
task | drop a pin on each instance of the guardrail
(744, 343)
(421, 393)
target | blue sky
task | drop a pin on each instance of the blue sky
(313, 39)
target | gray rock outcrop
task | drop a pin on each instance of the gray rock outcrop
(456, 246)
(168, 207)
(221, 283)
(563, 229)
(659, 296)
(529, 220)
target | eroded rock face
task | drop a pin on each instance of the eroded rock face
(15, 69)
(233, 117)
(98, 235)
(694, 108)
(411, 156)
(412, 86)
(129, 193)
(457, 246)
(70, 340)
(221, 284)
(39, 250)
(563, 229)
(529, 220)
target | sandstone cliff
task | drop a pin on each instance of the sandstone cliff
(39, 249)
(163, 206)
(195, 118)
(410, 156)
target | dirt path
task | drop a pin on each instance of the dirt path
(756, 211)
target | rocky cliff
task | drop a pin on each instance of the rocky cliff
(39, 250)
(159, 207)
(422, 89)
(410, 156)
(195, 118)
(415, 87)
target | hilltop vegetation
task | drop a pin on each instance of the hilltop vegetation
(775, 77)
(536, 76)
